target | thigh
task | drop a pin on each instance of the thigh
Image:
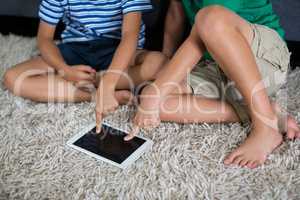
(139, 57)
(131, 76)
(243, 26)
(145, 65)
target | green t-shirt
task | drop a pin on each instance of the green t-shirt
(254, 11)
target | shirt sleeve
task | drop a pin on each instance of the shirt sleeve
(136, 5)
(51, 11)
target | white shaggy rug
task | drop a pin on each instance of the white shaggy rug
(185, 163)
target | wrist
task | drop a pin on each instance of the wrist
(109, 81)
(107, 84)
(63, 70)
(64, 66)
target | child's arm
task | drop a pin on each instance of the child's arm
(174, 28)
(125, 52)
(48, 48)
(52, 56)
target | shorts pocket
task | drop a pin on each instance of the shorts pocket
(273, 49)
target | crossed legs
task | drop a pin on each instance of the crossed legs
(36, 80)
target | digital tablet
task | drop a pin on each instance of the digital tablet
(109, 145)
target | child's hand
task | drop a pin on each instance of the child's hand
(147, 115)
(105, 103)
(79, 73)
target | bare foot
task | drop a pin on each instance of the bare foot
(260, 143)
(124, 97)
(147, 115)
(255, 149)
(293, 130)
(287, 124)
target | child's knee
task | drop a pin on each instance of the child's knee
(9, 78)
(212, 20)
(153, 63)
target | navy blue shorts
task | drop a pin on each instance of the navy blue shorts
(96, 53)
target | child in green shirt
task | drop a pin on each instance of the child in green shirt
(244, 40)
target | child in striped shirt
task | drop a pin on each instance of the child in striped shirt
(99, 35)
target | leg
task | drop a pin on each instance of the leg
(187, 108)
(35, 80)
(195, 109)
(167, 80)
(147, 65)
(143, 67)
(183, 107)
(227, 37)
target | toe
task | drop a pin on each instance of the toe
(243, 162)
(291, 133)
(298, 134)
(254, 165)
(237, 160)
(231, 157)
(293, 123)
(249, 164)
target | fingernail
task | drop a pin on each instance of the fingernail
(127, 138)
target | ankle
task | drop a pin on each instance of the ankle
(263, 123)
(150, 97)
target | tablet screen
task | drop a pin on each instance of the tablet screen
(109, 144)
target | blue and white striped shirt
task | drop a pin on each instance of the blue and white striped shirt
(91, 19)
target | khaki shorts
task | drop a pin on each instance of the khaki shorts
(272, 58)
